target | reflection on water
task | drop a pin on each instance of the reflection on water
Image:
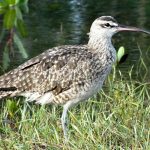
(51, 23)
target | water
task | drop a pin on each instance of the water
(56, 22)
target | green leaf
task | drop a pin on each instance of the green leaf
(2, 11)
(12, 2)
(3, 4)
(18, 13)
(11, 107)
(120, 53)
(24, 6)
(22, 28)
(6, 59)
(20, 46)
(23, 1)
(9, 18)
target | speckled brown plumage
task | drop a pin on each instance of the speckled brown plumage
(67, 74)
(63, 71)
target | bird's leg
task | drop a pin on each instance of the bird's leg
(64, 122)
(64, 119)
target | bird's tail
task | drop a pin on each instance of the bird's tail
(6, 86)
(4, 94)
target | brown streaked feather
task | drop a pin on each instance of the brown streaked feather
(58, 70)
(47, 72)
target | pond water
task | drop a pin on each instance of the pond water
(57, 22)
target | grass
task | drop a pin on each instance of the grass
(117, 118)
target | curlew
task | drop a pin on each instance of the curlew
(68, 74)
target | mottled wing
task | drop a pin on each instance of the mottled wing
(16, 78)
(56, 70)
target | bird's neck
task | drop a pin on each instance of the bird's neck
(102, 46)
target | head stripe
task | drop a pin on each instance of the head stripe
(107, 18)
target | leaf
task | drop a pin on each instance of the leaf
(12, 2)
(11, 107)
(24, 6)
(18, 13)
(23, 1)
(9, 18)
(20, 46)
(6, 59)
(2, 11)
(120, 53)
(22, 28)
(3, 4)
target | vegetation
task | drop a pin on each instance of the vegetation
(13, 28)
(118, 118)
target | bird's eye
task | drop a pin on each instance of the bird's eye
(107, 25)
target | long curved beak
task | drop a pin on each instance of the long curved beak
(128, 28)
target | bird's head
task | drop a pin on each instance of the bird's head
(107, 26)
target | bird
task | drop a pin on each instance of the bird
(68, 74)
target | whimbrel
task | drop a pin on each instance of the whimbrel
(67, 74)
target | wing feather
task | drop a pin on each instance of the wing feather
(56, 70)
